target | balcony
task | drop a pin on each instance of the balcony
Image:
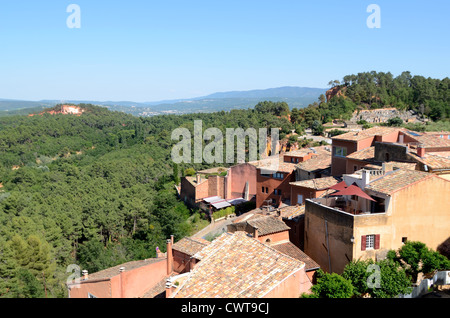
(353, 206)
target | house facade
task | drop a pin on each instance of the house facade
(408, 206)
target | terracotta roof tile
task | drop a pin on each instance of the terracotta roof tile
(364, 154)
(319, 162)
(317, 184)
(190, 245)
(237, 266)
(395, 180)
(291, 212)
(360, 135)
(268, 225)
(294, 252)
(432, 161)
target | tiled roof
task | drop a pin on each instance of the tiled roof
(190, 245)
(293, 251)
(428, 140)
(268, 225)
(291, 212)
(400, 165)
(396, 180)
(193, 180)
(114, 271)
(305, 151)
(319, 162)
(364, 154)
(317, 184)
(275, 164)
(237, 266)
(432, 161)
(360, 135)
(157, 290)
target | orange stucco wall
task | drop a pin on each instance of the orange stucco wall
(305, 192)
(292, 287)
(136, 282)
(339, 164)
(237, 178)
(272, 184)
(275, 237)
(129, 284)
(100, 289)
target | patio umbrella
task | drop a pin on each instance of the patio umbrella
(340, 186)
(353, 190)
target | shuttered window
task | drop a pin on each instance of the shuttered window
(370, 242)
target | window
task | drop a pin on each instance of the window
(277, 192)
(340, 152)
(278, 175)
(262, 190)
(267, 190)
(355, 168)
(404, 240)
(370, 242)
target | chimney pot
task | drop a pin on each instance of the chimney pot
(85, 274)
(421, 151)
(122, 269)
(256, 234)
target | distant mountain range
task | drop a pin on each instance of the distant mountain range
(295, 97)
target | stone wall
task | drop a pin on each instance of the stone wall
(382, 115)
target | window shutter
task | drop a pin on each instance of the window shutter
(363, 243)
(377, 242)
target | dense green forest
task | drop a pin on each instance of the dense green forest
(428, 97)
(95, 190)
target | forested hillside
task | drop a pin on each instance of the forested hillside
(95, 190)
(370, 90)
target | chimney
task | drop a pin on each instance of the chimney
(171, 239)
(199, 178)
(255, 234)
(169, 257)
(279, 214)
(121, 271)
(421, 151)
(85, 275)
(366, 177)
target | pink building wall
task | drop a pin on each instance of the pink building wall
(237, 178)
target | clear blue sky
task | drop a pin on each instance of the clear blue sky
(153, 50)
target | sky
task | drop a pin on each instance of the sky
(160, 50)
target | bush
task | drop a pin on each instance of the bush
(331, 286)
(395, 122)
(224, 212)
(189, 172)
(392, 278)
